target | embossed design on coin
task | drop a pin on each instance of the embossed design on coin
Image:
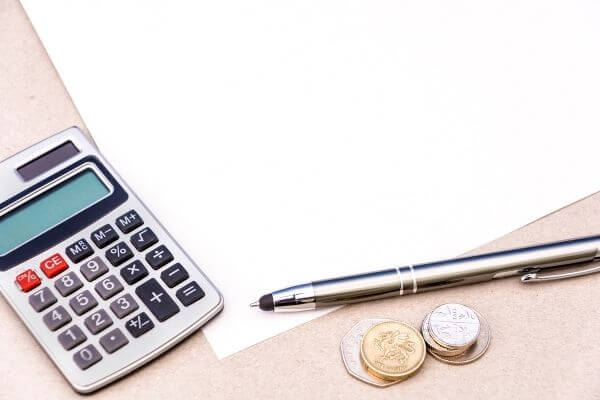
(392, 350)
(434, 346)
(475, 351)
(350, 346)
(454, 325)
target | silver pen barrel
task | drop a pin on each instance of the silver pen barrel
(416, 278)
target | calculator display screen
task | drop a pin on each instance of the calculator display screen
(49, 209)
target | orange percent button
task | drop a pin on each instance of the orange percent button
(28, 280)
(53, 265)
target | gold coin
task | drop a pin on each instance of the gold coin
(392, 350)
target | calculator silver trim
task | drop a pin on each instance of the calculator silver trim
(139, 351)
(40, 191)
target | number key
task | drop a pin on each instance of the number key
(98, 321)
(118, 254)
(57, 318)
(123, 306)
(68, 284)
(108, 287)
(143, 239)
(83, 302)
(72, 337)
(42, 299)
(87, 357)
(93, 269)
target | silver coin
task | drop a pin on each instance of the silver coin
(350, 347)
(475, 351)
(454, 326)
(434, 346)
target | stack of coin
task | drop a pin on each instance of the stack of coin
(456, 334)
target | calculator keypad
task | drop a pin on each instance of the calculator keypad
(134, 268)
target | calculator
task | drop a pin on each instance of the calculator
(91, 272)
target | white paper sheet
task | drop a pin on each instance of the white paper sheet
(285, 141)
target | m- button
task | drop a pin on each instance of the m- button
(53, 265)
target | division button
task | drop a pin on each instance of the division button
(87, 357)
(98, 321)
(28, 280)
(53, 265)
(68, 284)
(83, 302)
(72, 337)
(57, 318)
(159, 257)
(123, 306)
(134, 272)
(118, 254)
(104, 236)
(113, 341)
(174, 275)
(108, 287)
(93, 269)
(129, 221)
(79, 250)
(139, 325)
(190, 293)
(143, 239)
(42, 299)
(157, 300)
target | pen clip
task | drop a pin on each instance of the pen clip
(537, 277)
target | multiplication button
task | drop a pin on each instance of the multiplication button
(129, 221)
(134, 272)
(159, 257)
(87, 357)
(143, 239)
(104, 236)
(118, 254)
(139, 325)
(42, 299)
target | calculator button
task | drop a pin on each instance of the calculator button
(159, 256)
(87, 357)
(83, 302)
(108, 287)
(53, 265)
(123, 306)
(134, 272)
(98, 321)
(190, 293)
(104, 236)
(72, 337)
(157, 300)
(174, 275)
(139, 325)
(79, 250)
(57, 318)
(42, 299)
(113, 341)
(118, 254)
(68, 284)
(129, 221)
(28, 280)
(143, 239)
(93, 269)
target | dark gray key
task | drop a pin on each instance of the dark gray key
(42, 299)
(143, 239)
(57, 318)
(174, 275)
(104, 236)
(123, 306)
(129, 221)
(93, 269)
(190, 293)
(113, 341)
(157, 300)
(79, 250)
(72, 337)
(118, 254)
(159, 256)
(108, 287)
(68, 284)
(134, 272)
(98, 321)
(87, 357)
(83, 302)
(139, 325)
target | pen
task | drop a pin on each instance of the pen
(533, 264)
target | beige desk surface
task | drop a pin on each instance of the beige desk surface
(545, 337)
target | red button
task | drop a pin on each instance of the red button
(28, 280)
(53, 265)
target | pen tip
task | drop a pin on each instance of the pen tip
(255, 304)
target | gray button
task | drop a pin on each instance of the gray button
(83, 302)
(72, 337)
(98, 321)
(42, 299)
(94, 268)
(57, 318)
(124, 306)
(87, 357)
(68, 284)
(113, 341)
(108, 287)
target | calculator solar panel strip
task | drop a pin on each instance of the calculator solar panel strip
(96, 278)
